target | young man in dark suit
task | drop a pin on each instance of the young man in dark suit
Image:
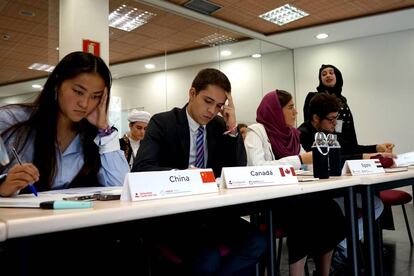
(171, 142)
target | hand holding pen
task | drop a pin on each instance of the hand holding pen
(19, 176)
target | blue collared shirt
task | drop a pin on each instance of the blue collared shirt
(114, 165)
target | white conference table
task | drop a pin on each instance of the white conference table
(370, 185)
(23, 222)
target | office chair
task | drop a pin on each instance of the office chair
(396, 197)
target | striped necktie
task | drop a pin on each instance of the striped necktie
(199, 163)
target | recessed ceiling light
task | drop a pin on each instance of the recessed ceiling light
(256, 55)
(57, 48)
(322, 36)
(37, 86)
(225, 53)
(149, 66)
(127, 18)
(284, 15)
(215, 39)
(41, 67)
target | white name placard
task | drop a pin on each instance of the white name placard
(405, 159)
(362, 167)
(242, 177)
(163, 184)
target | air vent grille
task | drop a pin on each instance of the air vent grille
(202, 6)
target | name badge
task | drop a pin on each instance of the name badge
(338, 127)
(162, 184)
(362, 167)
(242, 177)
(404, 159)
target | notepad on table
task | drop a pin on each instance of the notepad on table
(31, 201)
(396, 169)
(27, 200)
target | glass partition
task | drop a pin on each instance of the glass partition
(153, 66)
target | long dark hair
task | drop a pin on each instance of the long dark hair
(42, 122)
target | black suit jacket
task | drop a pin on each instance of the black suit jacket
(166, 144)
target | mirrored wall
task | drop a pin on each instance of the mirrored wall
(251, 77)
(153, 66)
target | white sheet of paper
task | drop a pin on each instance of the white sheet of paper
(28, 200)
(396, 169)
(31, 201)
(404, 159)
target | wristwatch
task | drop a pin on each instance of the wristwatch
(102, 132)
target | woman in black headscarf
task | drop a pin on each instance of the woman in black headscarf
(330, 81)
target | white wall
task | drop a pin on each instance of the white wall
(378, 74)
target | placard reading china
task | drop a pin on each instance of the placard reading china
(163, 184)
(242, 177)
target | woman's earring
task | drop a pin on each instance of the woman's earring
(56, 94)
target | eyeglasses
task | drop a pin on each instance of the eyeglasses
(332, 118)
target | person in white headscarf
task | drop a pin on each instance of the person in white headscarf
(138, 122)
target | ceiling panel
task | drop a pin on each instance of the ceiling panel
(245, 12)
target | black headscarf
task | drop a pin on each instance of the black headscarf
(337, 88)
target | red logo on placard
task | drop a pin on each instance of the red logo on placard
(92, 47)
(207, 177)
(284, 172)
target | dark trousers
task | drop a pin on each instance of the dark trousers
(109, 249)
(314, 224)
(196, 241)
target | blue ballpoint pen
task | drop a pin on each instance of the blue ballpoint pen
(32, 188)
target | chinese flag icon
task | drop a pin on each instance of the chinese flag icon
(207, 177)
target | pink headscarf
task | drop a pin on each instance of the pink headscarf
(284, 139)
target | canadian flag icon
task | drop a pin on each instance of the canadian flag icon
(287, 171)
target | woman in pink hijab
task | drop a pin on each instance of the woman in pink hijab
(313, 222)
